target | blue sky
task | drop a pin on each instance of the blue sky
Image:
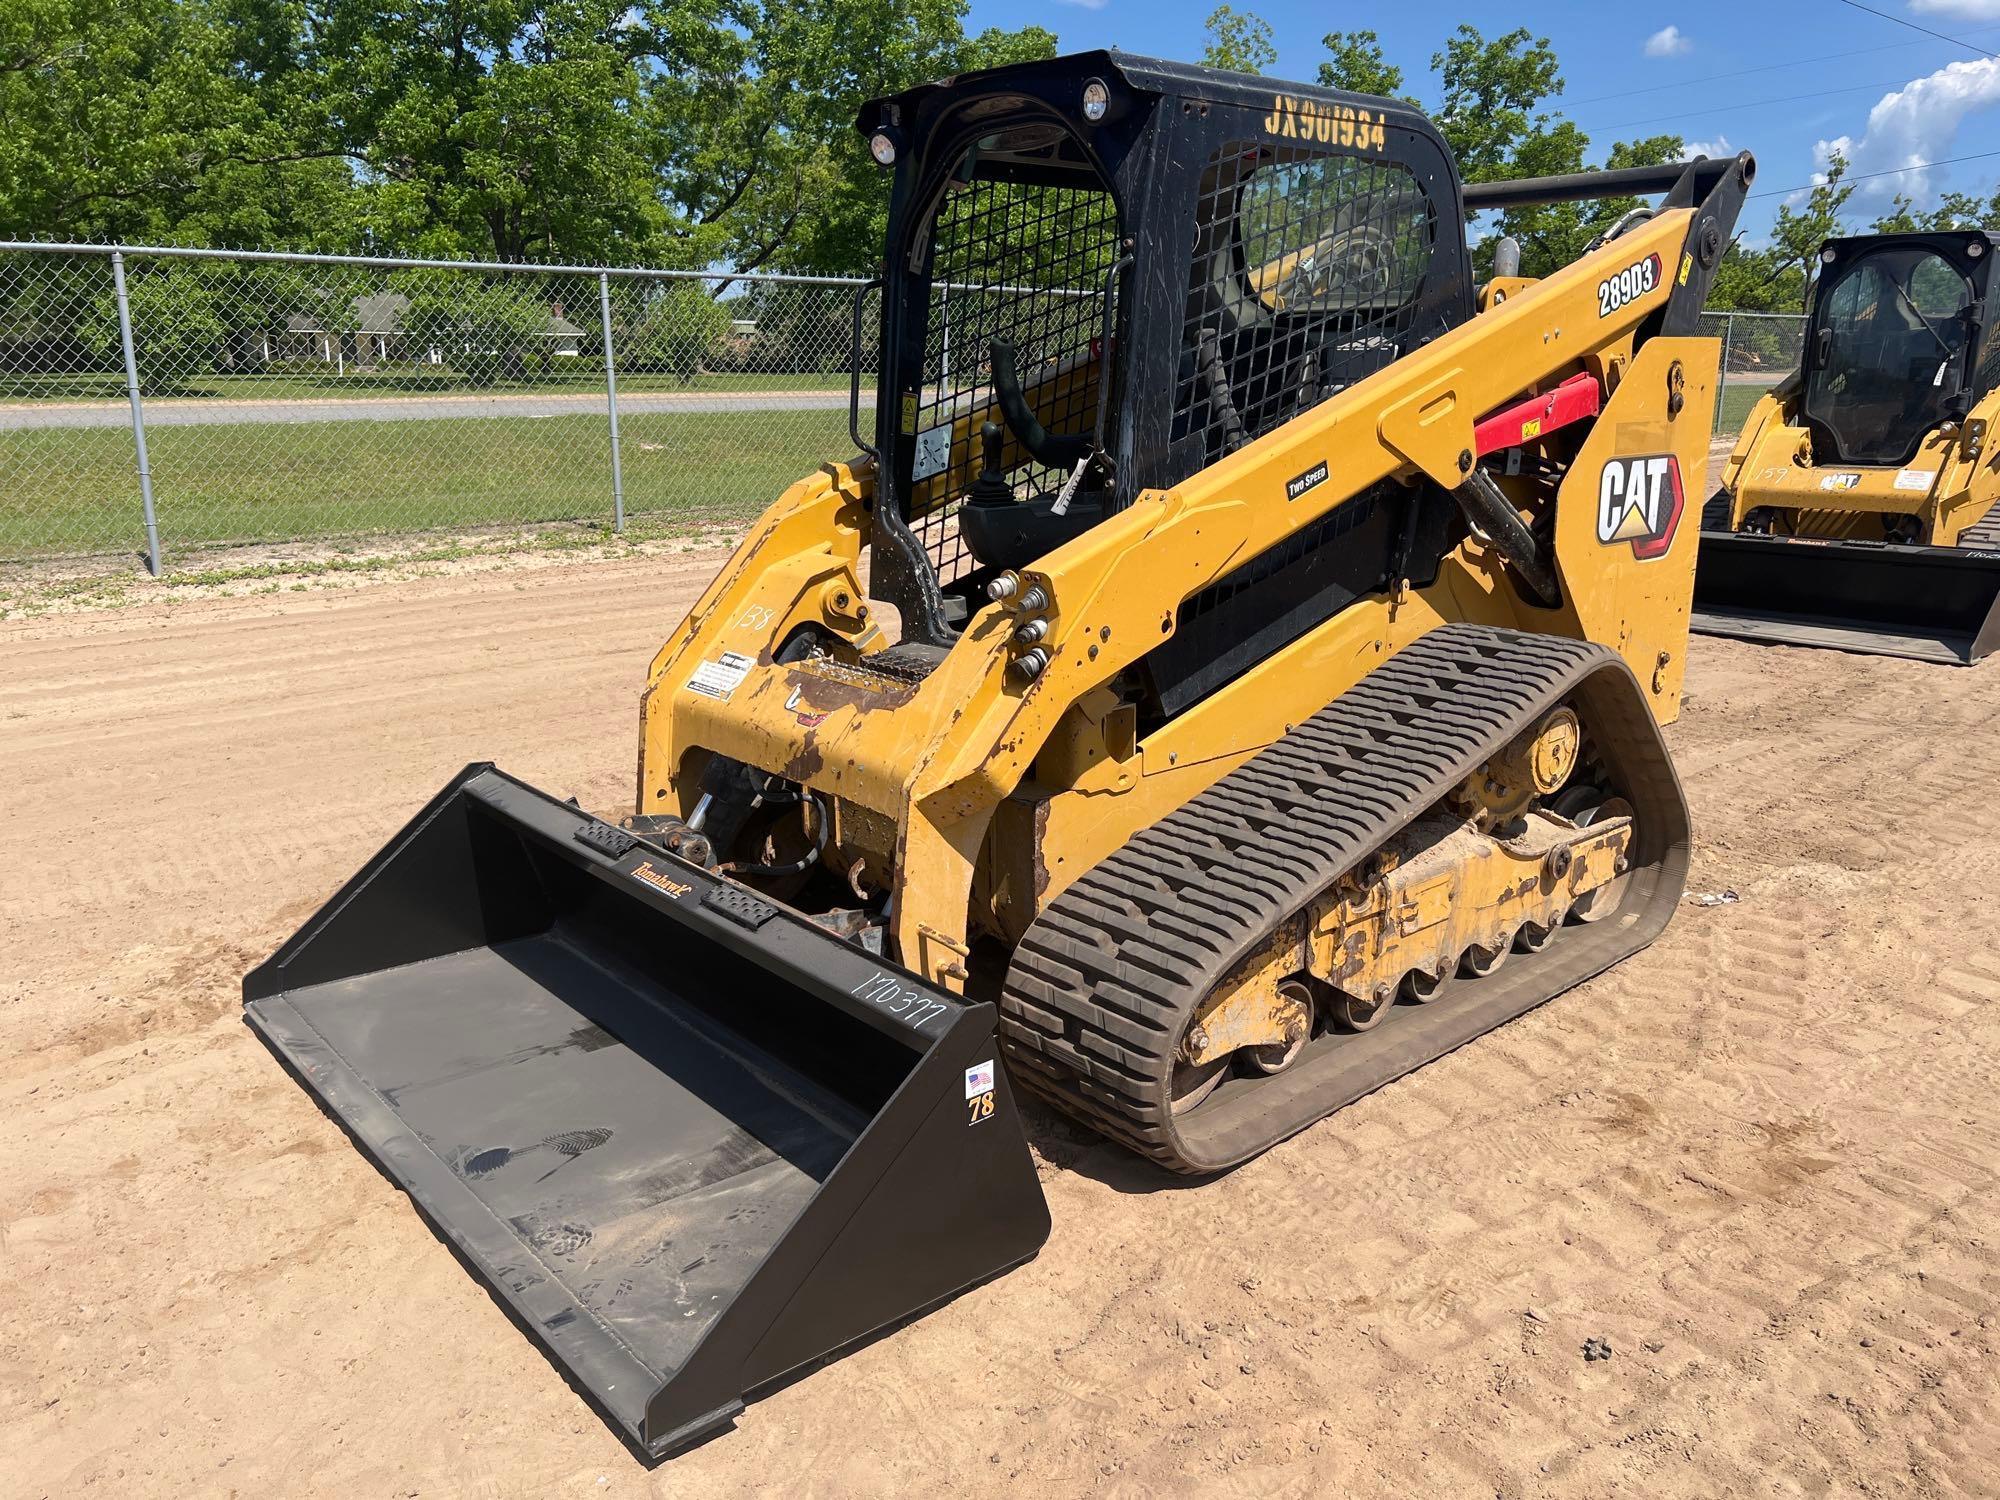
(1827, 73)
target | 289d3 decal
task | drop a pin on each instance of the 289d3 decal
(1630, 284)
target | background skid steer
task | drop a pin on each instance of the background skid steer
(1256, 694)
(1857, 510)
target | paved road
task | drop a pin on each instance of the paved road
(199, 413)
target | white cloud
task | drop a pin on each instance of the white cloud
(1917, 123)
(1718, 147)
(1668, 42)
(1958, 10)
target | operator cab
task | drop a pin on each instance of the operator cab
(1105, 273)
(1892, 343)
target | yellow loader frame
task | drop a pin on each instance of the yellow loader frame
(1001, 792)
(1947, 488)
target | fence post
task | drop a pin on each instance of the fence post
(611, 396)
(138, 412)
(1722, 373)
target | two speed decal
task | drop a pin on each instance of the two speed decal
(1311, 479)
(1629, 285)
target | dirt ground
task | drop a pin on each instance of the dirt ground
(1759, 1159)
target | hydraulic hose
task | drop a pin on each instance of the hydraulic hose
(814, 812)
(1055, 452)
(1493, 514)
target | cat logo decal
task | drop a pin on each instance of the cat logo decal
(1640, 500)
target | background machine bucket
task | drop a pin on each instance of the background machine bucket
(1881, 598)
(693, 1141)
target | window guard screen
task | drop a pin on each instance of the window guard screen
(1307, 277)
(1023, 263)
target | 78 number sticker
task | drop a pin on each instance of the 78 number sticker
(1629, 285)
(979, 1092)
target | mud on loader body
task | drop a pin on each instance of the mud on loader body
(1857, 510)
(1255, 693)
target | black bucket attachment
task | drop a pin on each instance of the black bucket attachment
(1879, 598)
(694, 1142)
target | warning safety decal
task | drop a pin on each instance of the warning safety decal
(719, 678)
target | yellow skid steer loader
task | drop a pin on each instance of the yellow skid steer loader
(1229, 676)
(1857, 510)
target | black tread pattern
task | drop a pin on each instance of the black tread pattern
(1983, 534)
(1103, 983)
(1715, 512)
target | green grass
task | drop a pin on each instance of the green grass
(76, 490)
(1737, 400)
(309, 382)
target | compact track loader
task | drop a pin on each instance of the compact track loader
(1230, 676)
(1857, 510)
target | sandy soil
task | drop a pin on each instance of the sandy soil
(1759, 1158)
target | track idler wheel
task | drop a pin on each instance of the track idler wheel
(1360, 1012)
(1584, 806)
(1534, 937)
(1478, 960)
(1194, 1082)
(1274, 1057)
(1422, 987)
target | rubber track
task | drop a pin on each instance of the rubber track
(1715, 512)
(1984, 533)
(1103, 983)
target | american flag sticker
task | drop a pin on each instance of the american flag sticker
(979, 1080)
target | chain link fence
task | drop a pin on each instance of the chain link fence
(158, 401)
(1758, 351)
(163, 401)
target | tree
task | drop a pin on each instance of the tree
(1490, 112)
(1489, 109)
(1238, 40)
(1899, 219)
(1357, 65)
(1773, 278)
(1965, 211)
(682, 132)
(484, 327)
(189, 120)
(1954, 211)
(502, 128)
(177, 330)
(678, 330)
